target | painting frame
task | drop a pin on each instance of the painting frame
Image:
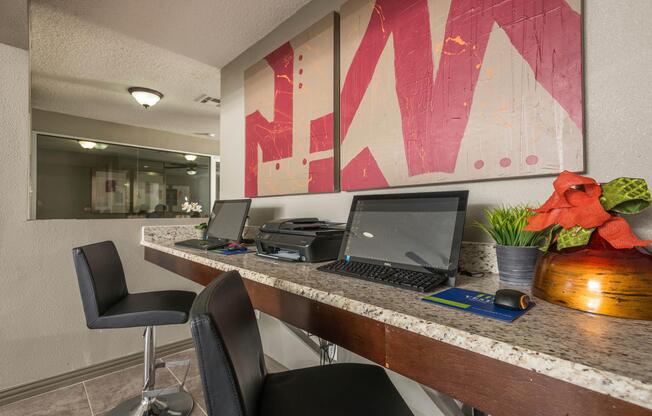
(321, 157)
(577, 67)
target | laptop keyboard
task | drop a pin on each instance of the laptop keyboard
(407, 279)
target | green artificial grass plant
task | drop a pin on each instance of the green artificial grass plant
(506, 224)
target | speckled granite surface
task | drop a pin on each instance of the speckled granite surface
(609, 355)
(478, 257)
(474, 257)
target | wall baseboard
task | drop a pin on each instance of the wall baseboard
(25, 391)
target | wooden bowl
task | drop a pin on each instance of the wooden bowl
(597, 279)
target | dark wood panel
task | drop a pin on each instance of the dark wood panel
(356, 333)
(196, 272)
(495, 387)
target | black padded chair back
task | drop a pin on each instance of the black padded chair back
(101, 278)
(228, 347)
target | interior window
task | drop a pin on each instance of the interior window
(90, 179)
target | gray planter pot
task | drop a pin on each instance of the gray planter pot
(516, 265)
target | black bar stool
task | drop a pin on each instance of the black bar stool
(236, 382)
(108, 304)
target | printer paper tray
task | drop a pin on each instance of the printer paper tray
(284, 255)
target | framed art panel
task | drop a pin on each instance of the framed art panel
(110, 191)
(290, 103)
(456, 90)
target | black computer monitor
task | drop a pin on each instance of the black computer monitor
(418, 231)
(228, 219)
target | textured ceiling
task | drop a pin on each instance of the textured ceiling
(83, 69)
(210, 31)
(86, 53)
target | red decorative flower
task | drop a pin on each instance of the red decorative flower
(618, 233)
(576, 202)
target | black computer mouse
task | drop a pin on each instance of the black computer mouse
(511, 299)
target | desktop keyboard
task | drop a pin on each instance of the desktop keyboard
(407, 279)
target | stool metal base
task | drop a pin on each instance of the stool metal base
(175, 404)
(172, 401)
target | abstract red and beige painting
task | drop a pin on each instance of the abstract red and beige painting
(456, 90)
(289, 102)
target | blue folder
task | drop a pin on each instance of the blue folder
(474, 302)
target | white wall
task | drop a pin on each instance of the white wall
(68, 125)
(42, 327)
(618, 107)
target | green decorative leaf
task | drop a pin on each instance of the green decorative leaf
(574, 237)
(626, 195)
(550, 237)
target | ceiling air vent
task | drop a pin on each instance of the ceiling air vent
(207, 99)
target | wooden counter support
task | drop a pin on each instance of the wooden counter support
(495, 387)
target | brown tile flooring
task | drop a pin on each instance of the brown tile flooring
(97, 396)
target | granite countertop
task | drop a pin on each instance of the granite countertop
(608, 355)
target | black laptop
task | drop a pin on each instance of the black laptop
(407, 240)
(225, 225)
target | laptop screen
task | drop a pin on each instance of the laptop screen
(228, 219)
(420, 232)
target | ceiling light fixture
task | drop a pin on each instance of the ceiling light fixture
(191, 171)
(145, 96)
(101, 146)
(190, 158)
(87, 145)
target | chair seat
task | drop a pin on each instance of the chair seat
(167, 307)
(332, 390)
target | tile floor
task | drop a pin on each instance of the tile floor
(97, 396)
